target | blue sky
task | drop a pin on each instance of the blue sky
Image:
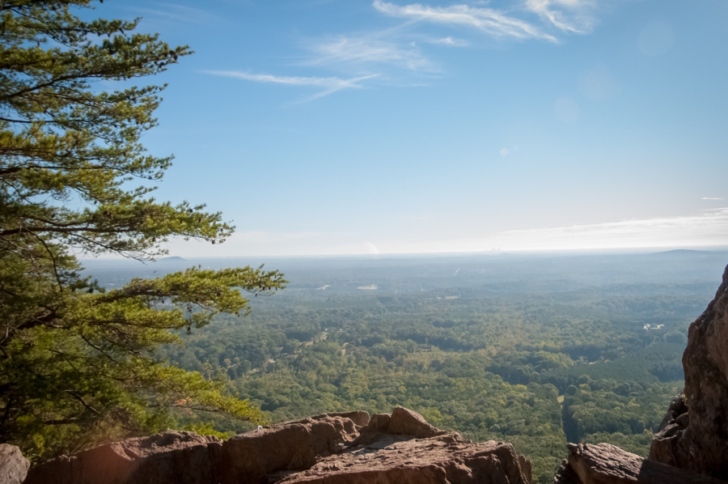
(373, 126)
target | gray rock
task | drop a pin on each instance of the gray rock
(13, 466)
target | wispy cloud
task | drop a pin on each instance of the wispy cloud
(398, 54)
(449, 41)
(575, 16)
(706, 229)
(178, 13)
(370, 49)
(712, 198)
(328, 85)
(489, 21)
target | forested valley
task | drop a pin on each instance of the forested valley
(532, 350)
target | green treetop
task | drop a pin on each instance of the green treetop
(76, 363)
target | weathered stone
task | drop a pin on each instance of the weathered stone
(607, 464)
(379, 422)
(435, 460)
(699, 442)
(566, 475)
(676, 408)
(408, 422)
(526, 468)
(291, 446)
(172, 457)
(359, 417)
(683, 421)
(13, 466)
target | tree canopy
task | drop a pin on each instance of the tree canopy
(77, 365)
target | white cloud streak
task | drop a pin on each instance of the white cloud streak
(179, 14)
(573, 16)
(328, 84)
(708, 229)
(449, 41)
(357, 54)
(487, 20)
(704, 230)
(712, 198)
(369, 50)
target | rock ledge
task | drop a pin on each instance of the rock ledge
(337, 448)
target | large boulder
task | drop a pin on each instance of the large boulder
(292, 446)
(172, 457)
(407, 422)
(694, 435)
(13, 466)
(434, 460)
(607, 464)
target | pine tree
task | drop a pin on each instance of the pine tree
(77, 365)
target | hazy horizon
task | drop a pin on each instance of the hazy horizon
(425, 255)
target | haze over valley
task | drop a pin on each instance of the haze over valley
(536, 350)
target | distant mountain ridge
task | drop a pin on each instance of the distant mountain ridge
(172, 259)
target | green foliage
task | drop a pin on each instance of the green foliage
(77, 363)
(488, 367)
(609, 406)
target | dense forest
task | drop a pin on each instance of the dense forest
(532, 350)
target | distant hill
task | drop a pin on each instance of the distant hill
(682, 252)
(171, 259)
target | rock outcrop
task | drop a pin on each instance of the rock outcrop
(13, 466)
(174, 457)
(407, 422)
(251, 457)
(607, 464)
(332, 449)
(694, 434)
(435, 460)
(691, 445)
